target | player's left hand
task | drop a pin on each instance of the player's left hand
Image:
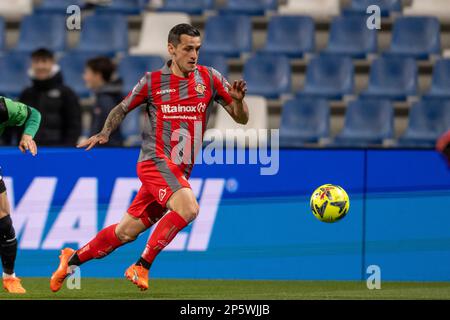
(27, 143)
(237, 90)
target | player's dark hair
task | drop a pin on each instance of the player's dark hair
(42, 54)
(102, 65)
(180, 29)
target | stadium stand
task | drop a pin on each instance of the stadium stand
(57, 6)
(2, 34)
(250, 7)
(42, 31)
(154, 31)
(440, 83)
(132, 68)
(437, 8)
(290, 35)
(224, 122)
(230, 35)
(329, 76)
(392, 77)
(416, 37)
(268, 75)
(193, 7)
(14, 79)
(377, 63)
(367, 122)
(217, 61)
(304, 120)
(387, 6)
(72, 66)
(123, 7)
(317, 8)
(104, 34)
(428, 119)
(350, 36)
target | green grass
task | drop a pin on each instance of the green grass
(38, 288)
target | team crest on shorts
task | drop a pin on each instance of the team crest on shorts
(200, 88)
(162, 194)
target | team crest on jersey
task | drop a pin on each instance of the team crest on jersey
(200, 88)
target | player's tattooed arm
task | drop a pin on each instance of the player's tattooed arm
(113, 121)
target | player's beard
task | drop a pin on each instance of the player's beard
(189, 67)
(185, 70)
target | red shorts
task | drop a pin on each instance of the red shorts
(160, 179)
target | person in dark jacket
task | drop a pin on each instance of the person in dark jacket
(57, 103)
(99, 77)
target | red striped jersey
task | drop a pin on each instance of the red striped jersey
(177, 112)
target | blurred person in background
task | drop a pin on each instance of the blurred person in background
(57, 103)
(99, 77)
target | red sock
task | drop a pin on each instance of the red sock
(103, 244)
(165, 231)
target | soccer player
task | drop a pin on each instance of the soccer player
(179, 99)
(14, 114)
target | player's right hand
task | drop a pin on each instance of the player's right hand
(100, 138)
(27, 143)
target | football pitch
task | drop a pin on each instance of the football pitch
(92, 288)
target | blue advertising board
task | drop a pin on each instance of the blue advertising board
(250, 226)
(407, 229)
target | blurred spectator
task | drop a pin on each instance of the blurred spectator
(443, 145)
(58, 104)
(99, 76)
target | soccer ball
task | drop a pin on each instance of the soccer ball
(329, 203)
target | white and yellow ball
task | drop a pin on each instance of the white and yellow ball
(330, 203)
